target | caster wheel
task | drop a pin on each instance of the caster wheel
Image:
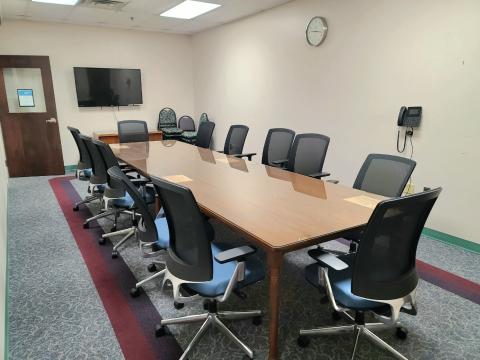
(75, 208)
(401, 333)
(135, 292)
(303, 341)
(102, 241)
(336, 316)
(257, 320)
(113, 229)
(324, 300)
(178, 306)
(160, 331)
(152, 268)
(114, 254)
(86, 225)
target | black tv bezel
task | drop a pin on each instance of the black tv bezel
(103, 68)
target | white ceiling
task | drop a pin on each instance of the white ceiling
(136, 14)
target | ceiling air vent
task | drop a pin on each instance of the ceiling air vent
(114, 5)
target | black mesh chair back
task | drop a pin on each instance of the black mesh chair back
(190, 253)
(385, 175)
(204, 134)
(186, 123)
(167, 118)
(84, 162)
(147, 231)
(235, 139)
(132, 131)
(384, 266)
(308, 153)
(99, 170)
(109, 160)
(277, 145)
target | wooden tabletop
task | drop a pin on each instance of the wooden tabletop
(280, 210)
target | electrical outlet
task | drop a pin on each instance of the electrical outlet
(410, 188)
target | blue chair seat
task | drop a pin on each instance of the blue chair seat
(223, 272)
(162, 232)
(341, 282)
(87, 172)
(127, 201)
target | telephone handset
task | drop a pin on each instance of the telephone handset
(410, 117)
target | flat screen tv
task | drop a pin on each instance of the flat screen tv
(108, 87)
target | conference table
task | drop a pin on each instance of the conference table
(274, 209)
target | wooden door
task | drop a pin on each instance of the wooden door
(28, 116)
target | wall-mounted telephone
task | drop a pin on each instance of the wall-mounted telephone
(410, 117)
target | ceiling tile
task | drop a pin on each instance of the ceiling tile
(145, 14)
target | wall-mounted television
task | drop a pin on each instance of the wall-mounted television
(108, 87)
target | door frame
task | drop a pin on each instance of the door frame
(16, 142)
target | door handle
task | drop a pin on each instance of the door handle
(51, 120)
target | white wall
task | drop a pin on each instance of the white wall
(165, 61)
(379, 55)
(3, 241)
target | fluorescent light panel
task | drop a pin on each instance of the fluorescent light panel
(189, 9)
(59, 2)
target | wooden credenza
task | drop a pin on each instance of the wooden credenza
(112, 137)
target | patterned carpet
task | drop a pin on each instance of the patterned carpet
(67, 299)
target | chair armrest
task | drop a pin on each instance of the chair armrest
(328, 259)
(237, 253)
(280, 163)
(333, 181)
(140, 181)
(319, 175)
(247, 155)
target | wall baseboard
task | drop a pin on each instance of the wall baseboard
(70, 168)
(452, 240)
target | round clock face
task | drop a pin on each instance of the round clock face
(316, 31)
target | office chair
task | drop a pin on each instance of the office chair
(307, 155)
(277, 146)
(97, 178)
(201, 268)
(189, 134)
(235, 140)
(167, 123)
(151, 233)
(117, 201)
(84, 167)
(381, 174)
(204, 135)
(100, 171)
(380, 278)
(132, 131)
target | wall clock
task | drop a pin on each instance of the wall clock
(316, 31)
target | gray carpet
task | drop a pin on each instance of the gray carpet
(55, 312)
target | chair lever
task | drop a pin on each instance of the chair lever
(409, 311)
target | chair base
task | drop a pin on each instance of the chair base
(357, 329)
(212, 319)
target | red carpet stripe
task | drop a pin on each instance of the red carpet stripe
(132, 321)
(448, 281)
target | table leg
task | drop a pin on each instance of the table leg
(275, 260)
